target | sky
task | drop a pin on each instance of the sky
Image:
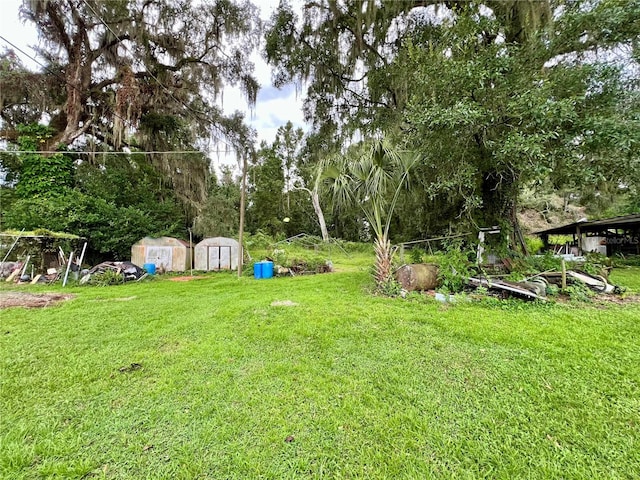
(274, 106)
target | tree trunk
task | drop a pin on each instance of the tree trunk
(384, 253)
(315, 200)
(499, 199)
(517, 239)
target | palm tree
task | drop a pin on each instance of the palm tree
(372, 175)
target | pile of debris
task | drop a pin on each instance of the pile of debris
(302, 267)
(426, 276)
(535, 287)
(16, 272)
(127, 270)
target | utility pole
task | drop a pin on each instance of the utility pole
(243, 194)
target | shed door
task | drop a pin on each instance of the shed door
(225, 258)
(219, 258)
(160, 256)
(214, 258)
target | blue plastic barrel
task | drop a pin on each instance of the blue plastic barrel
(150, 268)
(267, 269)
(257, 269)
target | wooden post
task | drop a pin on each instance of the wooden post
(564, 275)
(191, 250)
(243, 193)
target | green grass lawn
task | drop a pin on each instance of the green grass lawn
(361, 386)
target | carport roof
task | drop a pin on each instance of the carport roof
(595, 226)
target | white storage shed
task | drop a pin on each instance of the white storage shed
(217, 253)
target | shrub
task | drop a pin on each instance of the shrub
(455, 268)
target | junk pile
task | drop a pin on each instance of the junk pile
(62, 266)
(24, 271)
(304, 267)
(17, 272)
(424, 276)
(528, 290)
(535, 288)
(127, 270)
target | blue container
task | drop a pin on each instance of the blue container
(257, 269)
(267, 269)
(150, 268)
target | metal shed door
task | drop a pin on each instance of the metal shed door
(160, 256)
(219, 258)
(225, 258)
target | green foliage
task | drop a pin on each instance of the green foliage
(115, 201)
(455, 267)
(552, 290)
(497, 97)
(109, 229)
(597, 264)
(297, 258)
(579, 292)
(391, 288)
(106, 278)
(371, 177)
(260, 240)
(266, 209)
(279, 257)
(538, 263)
(220, 215)
(534, 244)
(39, 175)
(416, 255)
(628, 261)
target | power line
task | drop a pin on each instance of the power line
(133, 152)
(47, 69)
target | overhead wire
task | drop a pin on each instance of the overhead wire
(61, 77)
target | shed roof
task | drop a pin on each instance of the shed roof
(595, 226)
(166, 241)
(217, 241)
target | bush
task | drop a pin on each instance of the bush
(416, 255)
(534, 244)
(106, 278)
(455, 268)
(258, 241)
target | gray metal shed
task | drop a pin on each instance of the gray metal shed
(217, 253)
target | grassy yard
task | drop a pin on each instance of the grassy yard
(206, 379)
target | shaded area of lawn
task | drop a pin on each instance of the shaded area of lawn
(207, 379)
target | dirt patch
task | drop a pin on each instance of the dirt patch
(283, 303)
(31, 300)
(185, 279)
